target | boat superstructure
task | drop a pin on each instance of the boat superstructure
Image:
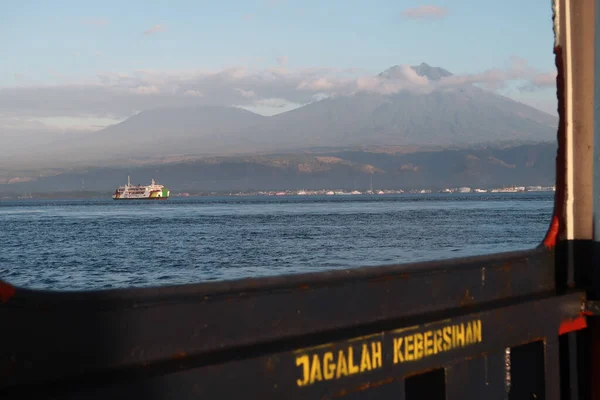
(141, 192)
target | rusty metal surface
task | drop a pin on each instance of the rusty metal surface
(278, 373)
(478, 378)
(213, 339)
(138, 327)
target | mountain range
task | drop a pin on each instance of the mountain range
(458, 115)
(452, 136)
(485, 167)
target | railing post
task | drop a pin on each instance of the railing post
(577, 207)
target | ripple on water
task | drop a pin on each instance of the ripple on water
(101, 244)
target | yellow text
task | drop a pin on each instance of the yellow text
(335, 365)
(424, 344)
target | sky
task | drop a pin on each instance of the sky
(79, 65)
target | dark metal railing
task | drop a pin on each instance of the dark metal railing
(450, 326)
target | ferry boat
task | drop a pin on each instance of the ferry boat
(141, 192)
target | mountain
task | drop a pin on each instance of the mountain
(459, 115)
(483, 167)
(167, 128)
(162, 132)
(423, 69)
(455, 115)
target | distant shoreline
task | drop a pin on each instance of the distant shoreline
(94, 195)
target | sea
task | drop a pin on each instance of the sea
(104, 244)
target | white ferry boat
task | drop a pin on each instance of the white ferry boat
(141, 192)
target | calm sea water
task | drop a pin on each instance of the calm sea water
(83, 244)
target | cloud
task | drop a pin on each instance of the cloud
(246, 93)
(149, 89)
(424, 12)
(119, 95)
(401, 78)
(317, 85)
(23, 124)
(540, 81)
(272, 103)
(155, 29)
(498, 78)
(248, 17)
(95, 21)
(193, 93)
(545, 80)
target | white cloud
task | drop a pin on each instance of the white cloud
(23, 124)
(320, 96)
(272, 103)
(497, 78)
(155, 29)
(246, 93)
(545, 80)
(540, 81)
(120, 95)
(193, 93)
(151, 89)
(233, 73)
(317, 85)
(425, 11)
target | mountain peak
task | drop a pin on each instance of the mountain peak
(431, 73)
(423, 69)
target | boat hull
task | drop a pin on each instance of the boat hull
(140, 198)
